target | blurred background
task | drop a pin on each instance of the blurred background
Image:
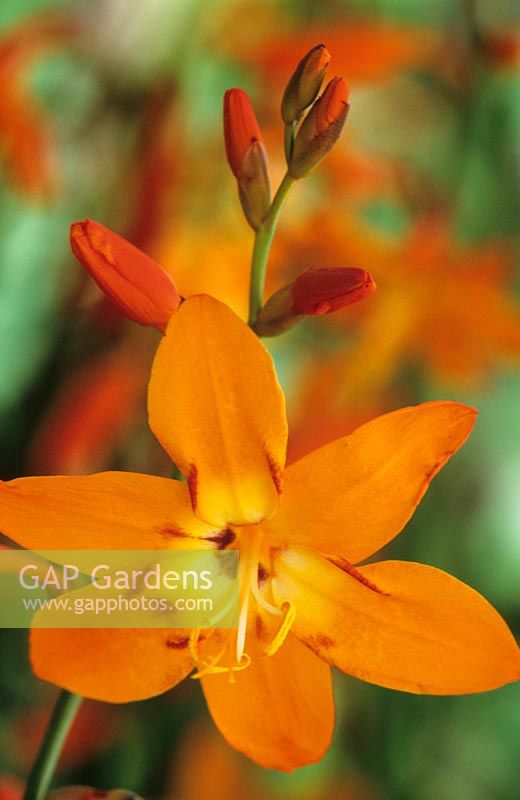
(111, 109)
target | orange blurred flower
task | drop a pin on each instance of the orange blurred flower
(95, 407)
(94, 730)
(26, 133)
(441, 304)
(11, 788)
(364, 50)
(216, 407)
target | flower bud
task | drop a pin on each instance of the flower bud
(140, 288)
(305, 83)
(320, 291)
(247, 156)
(320, 129)
(313, 293)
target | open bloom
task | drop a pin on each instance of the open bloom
(216, 406)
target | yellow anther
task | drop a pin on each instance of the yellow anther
(214, 669)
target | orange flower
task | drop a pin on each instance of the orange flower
(365, 50)
(442, 304)
(95, 407)
(139, 286)
(216, 407)
(11, 788)
(26, 134)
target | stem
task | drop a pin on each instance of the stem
(47, 759)
(263, 240)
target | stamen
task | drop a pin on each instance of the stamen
(214, 669)
(283, 630)
(242, 626)
(260, 599)
(192, 644)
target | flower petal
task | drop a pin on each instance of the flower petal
(216, 407)
(279, 711)
(109, 510)
(117, 665)
(354, 495)
(401, 625)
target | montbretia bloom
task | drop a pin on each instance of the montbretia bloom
(216, 407)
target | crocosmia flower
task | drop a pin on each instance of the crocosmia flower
(305, 603)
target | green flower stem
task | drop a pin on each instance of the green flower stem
(263, 240)
(47, 759)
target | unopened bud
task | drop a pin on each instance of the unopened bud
(246, 155)
(305, 83)
(321, 128)
(139, 287)
(321, 291)
(313, 293)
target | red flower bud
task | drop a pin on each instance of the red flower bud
(247, 156)
(321, 128)
(139, 287)
(320, 291)
(241, 128)
(305, 83)
(314, 292)
(332, 104)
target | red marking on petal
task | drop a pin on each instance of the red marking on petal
(192, 481)
(347, 567)
(177, 644)
(276, 473)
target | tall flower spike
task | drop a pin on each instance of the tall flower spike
(247, 156)
(140, 288)
(313, 293)
(305, 83)
(321, 128)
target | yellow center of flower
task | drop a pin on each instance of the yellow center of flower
(227, 653)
